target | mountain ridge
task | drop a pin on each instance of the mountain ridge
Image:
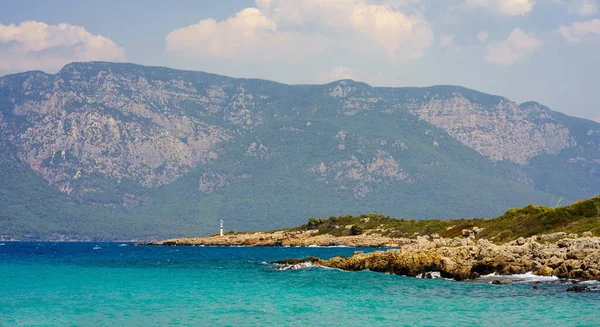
(161, 146)
(460, 87)
(131, 64)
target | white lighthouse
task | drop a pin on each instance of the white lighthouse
(221, 227)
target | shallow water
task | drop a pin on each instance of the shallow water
(63, 284)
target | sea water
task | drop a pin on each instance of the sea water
(111, 284)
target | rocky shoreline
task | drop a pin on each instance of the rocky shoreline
(461, 258)
(559, 255)
(288, 238)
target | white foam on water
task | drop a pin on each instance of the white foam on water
(434, 274)
(489, 275)
(590, 282)
(526, 277)
(331, 268)
(301, 265)
(530, 277)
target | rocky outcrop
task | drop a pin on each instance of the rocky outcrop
(288, 238)
(90, 123)
(505, 132)
(462, 259)
(580, 288)
(382, 169)
(459, 258)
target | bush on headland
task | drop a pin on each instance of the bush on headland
(579, 217)
(356, 230)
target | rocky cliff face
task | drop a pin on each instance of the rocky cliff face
(73, 129)
(505, 131)
(125, 132)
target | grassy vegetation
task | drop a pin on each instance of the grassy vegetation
(579, 217)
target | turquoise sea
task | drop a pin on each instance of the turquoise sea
(112, 284)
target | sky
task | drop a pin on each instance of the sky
(526, 50)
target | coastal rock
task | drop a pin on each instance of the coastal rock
(286, 238)
(546, 237)
(481, 258)
(459, 257)
(578, 289)
(554, 262)
(471, 232)
(592, 261)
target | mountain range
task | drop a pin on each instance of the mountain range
(107, 151)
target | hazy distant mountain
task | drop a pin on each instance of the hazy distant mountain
(108, 150)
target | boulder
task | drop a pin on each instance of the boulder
(578, 288)
(552, 236)
(554, 262)
(545, 271)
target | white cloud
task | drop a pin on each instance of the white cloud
(578, 31)
(300, 28)
(483, 36)
(586, 7)
(248, 34)
(509, 51)
(36, 45)
(504, 7)
(583, 8)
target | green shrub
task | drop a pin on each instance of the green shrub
(314, 223)
(356, 230)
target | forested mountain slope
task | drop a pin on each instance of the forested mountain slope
(109, 150)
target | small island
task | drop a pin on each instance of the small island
(563, 242)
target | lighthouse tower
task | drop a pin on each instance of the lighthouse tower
(221, 227)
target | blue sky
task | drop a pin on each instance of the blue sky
(542, 50)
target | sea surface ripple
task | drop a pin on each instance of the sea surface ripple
(107, 284)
